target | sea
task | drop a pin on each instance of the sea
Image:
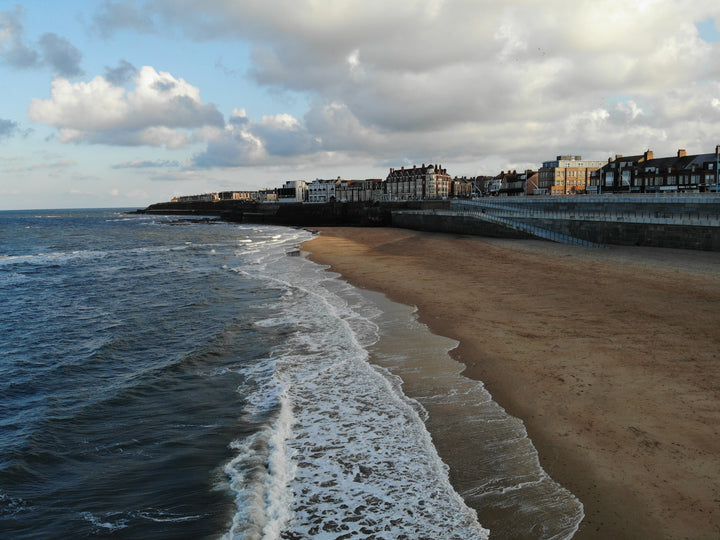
(183, 377)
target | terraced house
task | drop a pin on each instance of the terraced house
(645, 173)
(424, 182)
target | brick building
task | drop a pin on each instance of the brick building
(566, 175)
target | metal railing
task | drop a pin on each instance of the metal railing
(520, 226)
(537, 210)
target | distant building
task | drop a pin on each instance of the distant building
(509, 184)
(645, 173)
(267, 195)
(360, 190)
(566, 175)
(194, 198)
(293, 191)
(532, 182)
(424, 182)
(462, 187)
(236, 195)
(322, 191)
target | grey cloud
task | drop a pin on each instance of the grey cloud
(10, 128)
(253, 143)
(20, 56)
(231, 150)
(123, 73)
(15, 52)
(283, 143)
(61, 55)
(7, 128)
(183, 111)
(146, 164)
(164, 86)
(123, 15)
(237, 120)
(52, 50)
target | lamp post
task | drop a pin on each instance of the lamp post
(717, 173)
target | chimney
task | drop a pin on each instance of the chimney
(648, 155)
(717, 149)
(682, 153)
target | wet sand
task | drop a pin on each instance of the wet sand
(609, 356)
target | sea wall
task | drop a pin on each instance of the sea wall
(454, 224)
(680, 221)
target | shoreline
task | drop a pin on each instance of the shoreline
(607, 356)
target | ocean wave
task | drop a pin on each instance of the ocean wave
(362, 461)
(55, 258)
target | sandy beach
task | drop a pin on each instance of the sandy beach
(609, 356)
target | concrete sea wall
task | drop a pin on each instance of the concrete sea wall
(689, 221)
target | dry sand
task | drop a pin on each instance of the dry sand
(610, 356)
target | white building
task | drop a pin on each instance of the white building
(293, 191)
(322, 191)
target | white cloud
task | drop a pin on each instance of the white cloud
(157, 112)
(433, 79)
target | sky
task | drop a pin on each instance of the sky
(123, 103)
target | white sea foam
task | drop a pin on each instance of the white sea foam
(113, 522)
(348, 452)
(51, 258)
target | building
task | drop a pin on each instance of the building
(322, 191)
(566, 175)
(267, 195)
(293, 191)
(462, 187)
(236, 195)
(360, 190)
(509, 183)
(195, 198)
(532, 182)
(424, 182)
(647, 174)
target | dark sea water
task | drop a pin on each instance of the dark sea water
(162, 377)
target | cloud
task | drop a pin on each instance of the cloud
(243, 142)
(61, 55)
(10, 128)
(146, 164)
(455, 79)
(51, 164)
(114, 16)
(7, 128)
(122, 74)
(13, 50)
(157, 112)
(51, 50)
